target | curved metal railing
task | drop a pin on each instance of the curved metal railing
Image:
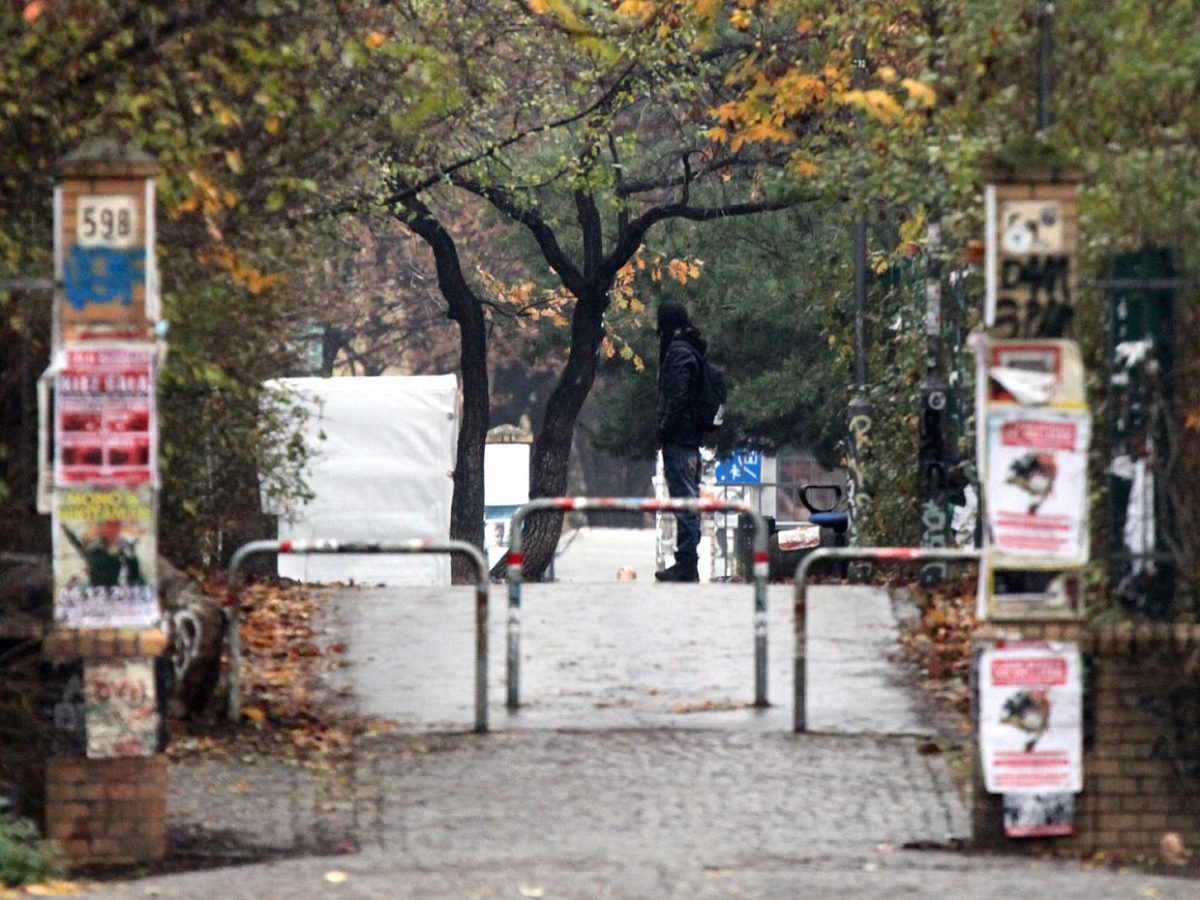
(417, 545)
(800, 609)
(516, 560)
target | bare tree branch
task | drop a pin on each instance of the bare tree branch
(556, 257)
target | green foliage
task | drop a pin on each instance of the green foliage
(226, 438)
(25, 858)
(763, 304)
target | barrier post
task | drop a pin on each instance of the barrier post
(800, 608)
(417, 545)
(516, 563)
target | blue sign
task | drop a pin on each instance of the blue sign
(743, 467)
(103, 275)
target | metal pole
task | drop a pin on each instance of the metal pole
(800, 607)
(933, 451)
(516, 561)
(859, 412)
(858, 80)
(417, 545)
(1045, 21)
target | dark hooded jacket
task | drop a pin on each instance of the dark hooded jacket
(678, 371)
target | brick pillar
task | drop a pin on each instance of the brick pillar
(106, 785)
(108, 810)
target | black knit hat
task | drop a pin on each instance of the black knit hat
(671, 317)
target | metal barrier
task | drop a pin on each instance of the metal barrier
(419, 545)
(800, 611)
(516, 561)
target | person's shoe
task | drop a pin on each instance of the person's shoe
(679, 572)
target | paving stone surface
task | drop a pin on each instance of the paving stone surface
(636, 767)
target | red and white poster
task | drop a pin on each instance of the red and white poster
(1031, 718)
(105, 422)
(1036, 499)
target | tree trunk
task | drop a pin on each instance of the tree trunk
(466, 507)
(552, 446)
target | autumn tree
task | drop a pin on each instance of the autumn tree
(585, 133)
(258, 113)
(950, 88)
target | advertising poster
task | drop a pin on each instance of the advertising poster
(1035, 372)
(1039, 815)
(1031, 718)
(105, 422)
(121, 708)
(104, 558)
(1031, 248)
(1036, 499)
(1034, 593)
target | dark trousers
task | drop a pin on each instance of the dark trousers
(681, 465)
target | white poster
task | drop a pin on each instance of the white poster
(1030, 227)
(122, 710)
(1031, 718)
(1036, 498)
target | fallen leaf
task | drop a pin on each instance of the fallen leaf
(1173, 852)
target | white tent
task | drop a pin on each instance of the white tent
(382, 466)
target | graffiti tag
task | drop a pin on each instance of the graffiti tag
(1035, 297)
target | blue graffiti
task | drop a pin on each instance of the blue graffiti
(103, 275)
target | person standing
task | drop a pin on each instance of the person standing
(681, 350)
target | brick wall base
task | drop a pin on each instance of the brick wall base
(107, 810)
(1141, 768)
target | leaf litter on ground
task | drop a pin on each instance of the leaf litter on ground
(289, 705)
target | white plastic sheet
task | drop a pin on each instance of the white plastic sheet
(383, 455)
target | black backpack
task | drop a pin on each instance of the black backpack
(708, 407)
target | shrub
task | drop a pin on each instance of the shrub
(25, 858)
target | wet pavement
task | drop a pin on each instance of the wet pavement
(636, 766)
(628, 655)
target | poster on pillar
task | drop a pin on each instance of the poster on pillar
(105, 422)
(1031, 249)
(1031, 718)
(1036, 487)
(104, 558)
(121, 708)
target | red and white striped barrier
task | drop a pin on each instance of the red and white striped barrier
(516, 562)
